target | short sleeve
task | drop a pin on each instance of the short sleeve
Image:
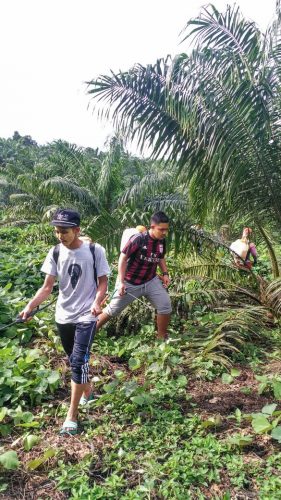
(49, 266)
(132, 245)
(102, 266)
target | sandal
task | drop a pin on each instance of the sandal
(84, 401)
(69, 427)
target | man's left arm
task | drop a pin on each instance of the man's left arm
(103, 270)
(101, 292)
(165, 275)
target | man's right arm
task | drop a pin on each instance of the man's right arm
(122, 264)
(41, 295)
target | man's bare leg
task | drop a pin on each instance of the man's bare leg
(163, 321)
(87, 391)
(76, 393)
(103, 318)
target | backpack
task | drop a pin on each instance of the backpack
(241, 248)
(127, 235)
(56, 253)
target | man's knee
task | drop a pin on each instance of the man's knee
(103, 318)
(165, 307)
(79, 370)
(114, 308)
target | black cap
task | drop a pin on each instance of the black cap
(66, 218)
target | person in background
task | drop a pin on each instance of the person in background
(244, 249)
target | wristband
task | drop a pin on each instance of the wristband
(165, 274)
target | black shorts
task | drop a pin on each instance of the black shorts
(77, 339)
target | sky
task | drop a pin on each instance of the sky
(50, 48)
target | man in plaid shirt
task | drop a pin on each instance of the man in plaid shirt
(137, 268)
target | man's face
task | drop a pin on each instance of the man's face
(67, 235)
(160, 231)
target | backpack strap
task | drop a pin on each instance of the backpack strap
(56, 253)
(92, 250)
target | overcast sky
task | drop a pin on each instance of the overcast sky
(51, 47)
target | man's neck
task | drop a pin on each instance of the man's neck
(150, 232)
(75, 244)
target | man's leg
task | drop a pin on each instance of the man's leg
(160, 299)
(163, 321)
(102, 320)
(77, 390)
(117, 304)
(79, 361)
(67, 335)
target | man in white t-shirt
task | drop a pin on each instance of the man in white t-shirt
(81, 269)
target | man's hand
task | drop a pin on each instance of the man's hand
(96, 308)
(165, 280)
(122, 289)
(25, 313)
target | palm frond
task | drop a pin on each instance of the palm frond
(63, 188)
(273, 297)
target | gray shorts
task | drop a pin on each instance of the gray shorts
(153, 290)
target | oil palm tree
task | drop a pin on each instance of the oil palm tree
(215, 114)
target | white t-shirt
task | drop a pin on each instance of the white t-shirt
(77, 287)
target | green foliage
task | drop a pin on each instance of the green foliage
(144, 433)
(270, 383)
(213, 113)
(9, 460)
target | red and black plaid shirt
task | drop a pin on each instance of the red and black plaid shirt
(144, 254)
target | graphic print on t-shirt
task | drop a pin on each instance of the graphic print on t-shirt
(75, 272)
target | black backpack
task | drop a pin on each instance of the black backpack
(56, 253)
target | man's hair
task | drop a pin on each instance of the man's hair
(158, 218)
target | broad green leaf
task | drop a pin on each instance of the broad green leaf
(261, 424)
(3, 413)
(269, 409)
(212, 421)
(181, 381)
(110, 388)
(234, 372)
(134, 364)
(276, 386)
(139, 400)
(32, 354)
(9, 460)
(226, 378)
(34, 464)
(240, 440)
(53, 377)
(50, 452)
(30, 441)
(142, 399)
(8, 286)
(29, 425)
(276, 433)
